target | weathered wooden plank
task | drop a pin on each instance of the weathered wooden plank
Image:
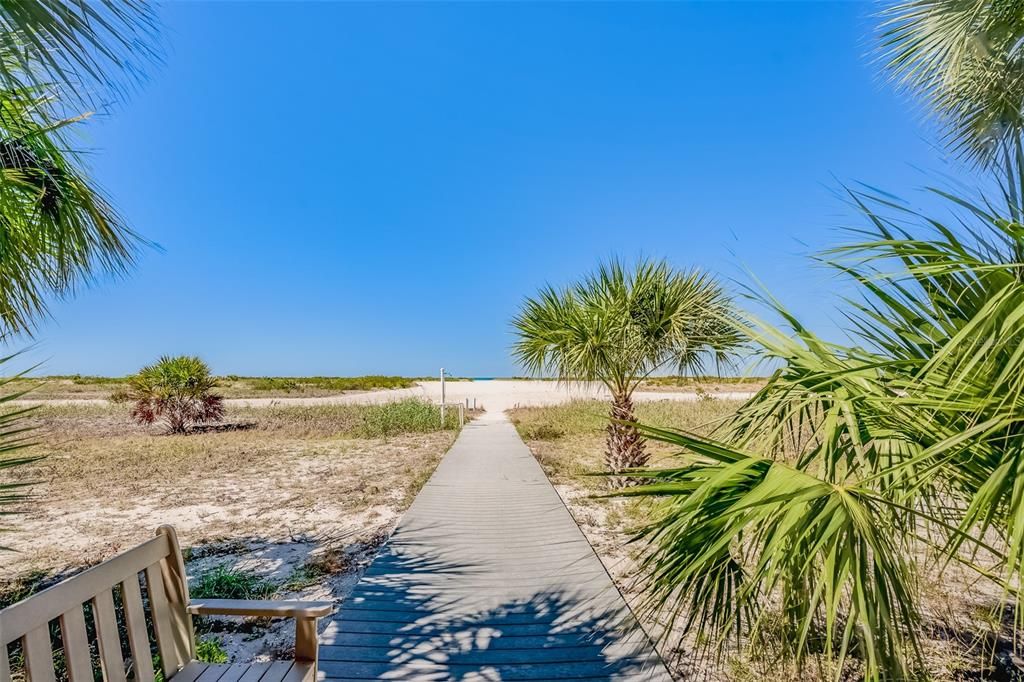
(234, 672)
(172, 569)
(255, 672)
(172, 657)
(277, 671)
(76, 645)
(135, 623)
(413, 669)
(39, 655)
(216, 671)
(5, 664)
(108, 637)
(191, 672)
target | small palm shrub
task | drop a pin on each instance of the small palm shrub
(177, 391)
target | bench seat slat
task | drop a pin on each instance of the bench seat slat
(191, 672)
(41, 608)
(255, 672)
(234, 672)
(76, 645)
(302, 671)
(277, 671)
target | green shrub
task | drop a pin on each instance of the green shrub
(210, 650)
(224, 582)
(177, 390)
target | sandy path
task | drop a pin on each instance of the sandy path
(496, 395)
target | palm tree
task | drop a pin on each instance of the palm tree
(964, 59)
(807, 507)
(57, 230)
(619, 327)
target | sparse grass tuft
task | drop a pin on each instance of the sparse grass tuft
(211, 650)
(404, 416)
(316, 568)
(22, 587)
(224, 582)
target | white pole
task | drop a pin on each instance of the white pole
(442, 397)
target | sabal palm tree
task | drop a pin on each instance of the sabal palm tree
(964, 59)
(804, 511)
(57, 230)
(618, 326)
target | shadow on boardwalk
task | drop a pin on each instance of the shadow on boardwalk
(404, 621)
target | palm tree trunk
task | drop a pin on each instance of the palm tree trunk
(625, 446)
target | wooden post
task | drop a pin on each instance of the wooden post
(442, 397)
(305, 640)
(462, 414)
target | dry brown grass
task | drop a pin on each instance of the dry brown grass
(268, 473)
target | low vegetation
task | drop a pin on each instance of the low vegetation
(265, 473)
(81, 386)
(177, 391)
(225, 582)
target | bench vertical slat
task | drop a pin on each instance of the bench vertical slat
(135, 620)
(76, 645)
(5, 664)
(108, 637)
(170, 659)
(172, 567)
(39, 655)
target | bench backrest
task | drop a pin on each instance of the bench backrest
(154, 567)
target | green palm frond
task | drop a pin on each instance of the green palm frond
(57, 230)
(965, 60)
(736, 528)
(91, 51)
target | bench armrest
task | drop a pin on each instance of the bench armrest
(264, 608)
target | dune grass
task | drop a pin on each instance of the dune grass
(74, 386)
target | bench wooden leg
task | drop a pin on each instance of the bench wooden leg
(305, 640)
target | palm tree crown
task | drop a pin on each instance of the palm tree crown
(619, 326)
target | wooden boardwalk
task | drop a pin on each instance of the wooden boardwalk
(487, 577)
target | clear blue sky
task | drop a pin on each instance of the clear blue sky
(361, 188)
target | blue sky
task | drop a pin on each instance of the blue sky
(352, 188)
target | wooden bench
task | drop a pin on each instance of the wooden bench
(166, 605)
